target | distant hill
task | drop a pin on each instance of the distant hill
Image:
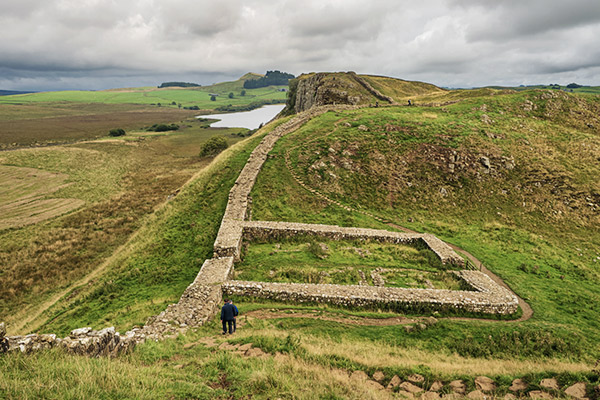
(13, 92)
(271, 78)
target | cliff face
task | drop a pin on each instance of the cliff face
(329, 89)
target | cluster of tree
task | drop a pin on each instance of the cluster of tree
(271, 78)
(574, 86)
(213, 146)
(117, 132)
(178, 84)
(191, 108)
(162, 128)
(248, 107)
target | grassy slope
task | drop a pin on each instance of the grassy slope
(120, 182)
(154, 269)
(322, 351)
(507, 218)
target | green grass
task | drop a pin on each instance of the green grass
(200, 97)
(532, 224)
(162, 260)
(309, 260)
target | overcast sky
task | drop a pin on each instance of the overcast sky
(98, 44)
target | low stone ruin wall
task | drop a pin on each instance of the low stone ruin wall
(273, 230)
(83, 341)
(494, 299)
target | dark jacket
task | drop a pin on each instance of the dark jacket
(228, 312)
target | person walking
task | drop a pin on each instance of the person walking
(227, 317)
(235, 314)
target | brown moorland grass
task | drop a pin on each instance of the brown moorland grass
(23, 196)
(121, 183)
(43, 124)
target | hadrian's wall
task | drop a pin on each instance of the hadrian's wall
(275, 230)
(491, 299)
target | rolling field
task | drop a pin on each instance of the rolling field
(104, 188)
(509, 177)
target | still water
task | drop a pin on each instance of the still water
(245, 119)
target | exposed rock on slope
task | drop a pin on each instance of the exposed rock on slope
(312, 90)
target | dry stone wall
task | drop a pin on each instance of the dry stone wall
(492, 299)
(275, 230)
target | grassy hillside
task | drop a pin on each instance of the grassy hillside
(511, 178)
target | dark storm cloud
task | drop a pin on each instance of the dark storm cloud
(108, 43)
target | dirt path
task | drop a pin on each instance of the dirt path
(526, 308)
(316, 314)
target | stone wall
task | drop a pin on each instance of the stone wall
(491, 299)
(83, 341)
(276, 230)
(370, 88)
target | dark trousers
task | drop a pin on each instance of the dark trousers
(234, 324)
(227, 324)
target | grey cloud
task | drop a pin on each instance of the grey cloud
(447, 42)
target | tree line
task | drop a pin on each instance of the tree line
(271, 78)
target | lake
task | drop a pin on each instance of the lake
(245, 119)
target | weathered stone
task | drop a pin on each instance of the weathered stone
(374, 385)
(394, 382)
(436, 386)
(458, 387)
(549, 383)
(476, 394)
(538, 394)
(255, 352)
(517, 385)
(245, 347)
(576, 390)
(378, 376)
(409, 387)
(509, 396)
(415, 378)
(485, 384)
(430, 396)
(406, 395)
(359, 376)
(452, 396)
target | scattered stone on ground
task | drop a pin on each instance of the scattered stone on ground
(477, 394)
(374, 385)
(458, 387)
(178, 366)
(485, 384)
(430, 396)
(415, 378)
(538, 394)
(409, 387)
(227, 346)
(436, 386)
(405, 394)
(245, 347)
(255, 352)
(394, 382)
(550, 383)
(517, 385)
(359, 376)
(378, 376)
(577, 390)
(452, 396)
(508, 396)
